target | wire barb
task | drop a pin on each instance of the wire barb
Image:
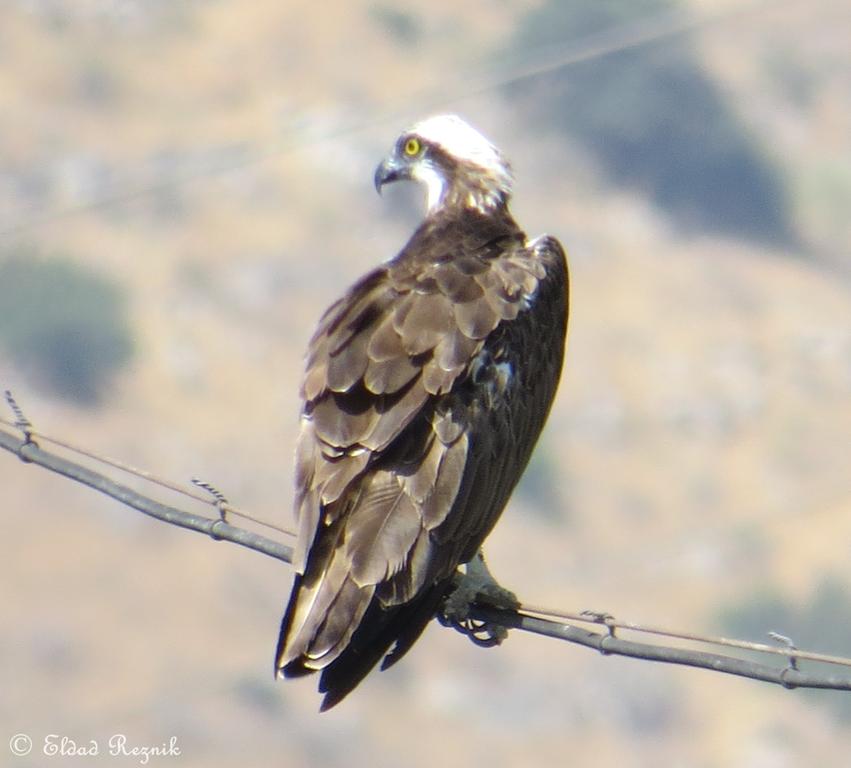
(608, 621)
(221, 504)
(602, 617)
(792, 659)
(22, 423)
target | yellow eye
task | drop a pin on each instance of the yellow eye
(412, 147)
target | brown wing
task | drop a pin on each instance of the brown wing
(409, 448)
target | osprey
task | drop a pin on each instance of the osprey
(426, 387)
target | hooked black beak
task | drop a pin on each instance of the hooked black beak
(388, 171)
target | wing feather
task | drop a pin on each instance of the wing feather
(455, 350)
(333, 476)
(381, 530)
(386, 342)
(389, 376)
(437, 380)
(427, 322)
(475, 319)
(444, 494)
(455, 285)
(347, 364)
(392, 416)
(344, 419)
(408, 582)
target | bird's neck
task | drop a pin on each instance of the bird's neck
(483, 197)
(489, 220)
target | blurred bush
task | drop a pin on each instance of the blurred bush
(653, 119)
(63, 324)
(400, 25)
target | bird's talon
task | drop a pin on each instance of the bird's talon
(476, 585)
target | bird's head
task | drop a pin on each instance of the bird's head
(459, 166)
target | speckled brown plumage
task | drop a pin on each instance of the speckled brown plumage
(425, 390)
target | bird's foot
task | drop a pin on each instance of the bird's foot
(477, 585)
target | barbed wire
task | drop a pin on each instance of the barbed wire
(529, 618)
(23, 424)
(533, 63)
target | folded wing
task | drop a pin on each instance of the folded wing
(392, 490)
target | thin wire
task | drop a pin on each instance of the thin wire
(598, 45)
(609, 621)
(538, 62)
(148, 477)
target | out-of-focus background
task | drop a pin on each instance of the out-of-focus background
(184, 186)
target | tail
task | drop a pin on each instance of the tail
(346, 635)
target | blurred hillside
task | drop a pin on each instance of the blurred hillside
(654, 119)
(212, 162)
